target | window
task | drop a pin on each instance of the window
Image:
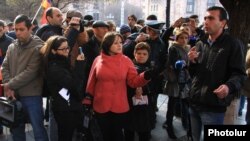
(210, 3)
(190, 6)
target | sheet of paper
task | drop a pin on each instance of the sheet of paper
(143, 100)
(64, 93)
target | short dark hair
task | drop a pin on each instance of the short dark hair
(223, 12)
(23, 18)
(142, 46)
(140, 21)
(152, 17)
(88, 17)
(133, 16)
(49, 12)
(10, 24)
(2, 23)
(108, 40)
(194, 16)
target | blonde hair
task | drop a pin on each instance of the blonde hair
(53, 42)
(45, 50)
(180, 32)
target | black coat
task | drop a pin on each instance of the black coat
(5, 41)
(47, 31)
(60, 76)
(217, 64)
(140, 117)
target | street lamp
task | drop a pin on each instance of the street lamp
(168, 13)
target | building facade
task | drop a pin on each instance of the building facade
(178, 8)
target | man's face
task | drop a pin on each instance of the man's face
(100, 31)
(2, 31)
(131, 21)
(193, 22)
(212, 23)
(23, 33)
(57, 17)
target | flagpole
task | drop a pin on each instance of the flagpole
(33, 19)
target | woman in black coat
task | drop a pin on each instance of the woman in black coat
(64, 85)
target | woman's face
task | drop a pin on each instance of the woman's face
(116, 47)
(141, 56)
(182, 40)
(63, 50)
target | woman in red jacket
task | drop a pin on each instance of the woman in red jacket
(110, 74)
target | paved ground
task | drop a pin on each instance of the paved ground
(158, 134)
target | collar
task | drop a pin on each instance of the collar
(26, 43)
(221, 37)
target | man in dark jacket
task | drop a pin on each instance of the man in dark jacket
(5, 41)
(217, 67)
(55, 18)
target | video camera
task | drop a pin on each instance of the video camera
(11, 112)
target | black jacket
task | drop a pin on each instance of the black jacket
(5, 41)
(140, 117)
(60, 76)
(217, 64)
(47, 31)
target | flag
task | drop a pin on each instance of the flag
(45, 4)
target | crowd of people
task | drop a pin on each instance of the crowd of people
(77, 63)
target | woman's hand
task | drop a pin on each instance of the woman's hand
(138, 93)
(80, 57)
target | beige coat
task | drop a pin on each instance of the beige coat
(21, 68)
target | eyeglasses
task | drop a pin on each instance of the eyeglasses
(63, 49)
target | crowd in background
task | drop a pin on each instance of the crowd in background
(78, 63)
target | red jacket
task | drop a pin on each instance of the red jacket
(108, 81)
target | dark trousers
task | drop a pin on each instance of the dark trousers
(67, 123)
(172, 102)
(111, 125)
(130, 135)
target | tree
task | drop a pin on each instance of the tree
(116, 6)
(239, 19)
(11, 8)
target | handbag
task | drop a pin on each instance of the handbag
(91, 127)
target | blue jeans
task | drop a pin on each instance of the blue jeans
(32, 105)
(199, 119)
(248, 111)
(242, 103)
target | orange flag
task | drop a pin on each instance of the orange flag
(45, 4)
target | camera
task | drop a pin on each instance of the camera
(11, 112)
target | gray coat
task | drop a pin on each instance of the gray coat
(21, 68)
(172, 88)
